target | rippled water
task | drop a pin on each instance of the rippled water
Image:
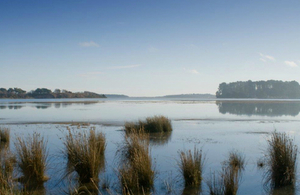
(217, 127)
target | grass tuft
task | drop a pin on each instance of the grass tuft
(227, 182)
(136, 174)
(32, 160)
(85, 153)
(191, 165)
(156, 124)
(7, 161)
(281, 161)
(4, 135)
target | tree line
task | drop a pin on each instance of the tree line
(41, 93)
(270, 89)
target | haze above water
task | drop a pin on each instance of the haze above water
(217, 127)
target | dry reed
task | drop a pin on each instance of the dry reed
(32, 160)
(281, 160)
(191, 165)
(85, 153)
(136, 174)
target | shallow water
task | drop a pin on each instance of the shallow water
(216, 127)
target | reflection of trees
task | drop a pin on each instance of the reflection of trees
(43, 106)
(259, 108)
(15, 107)
(3, 107)
(160, 138)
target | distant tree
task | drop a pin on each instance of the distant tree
(57, 91)
(259, 89)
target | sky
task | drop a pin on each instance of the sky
(147, 47)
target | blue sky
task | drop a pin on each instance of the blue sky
(147, 47)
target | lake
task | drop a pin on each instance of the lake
(217, 127)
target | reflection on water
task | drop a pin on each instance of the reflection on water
(290, 190)
(44, 105)
(259, 108)
(159, 139)
(191, 190)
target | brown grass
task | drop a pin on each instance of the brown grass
(154, 124)
(191, 165)
(227, 182)
(32, 160)
(85, 153)
(4, 135)
(136, 174)
(281, 160)
(7, 161)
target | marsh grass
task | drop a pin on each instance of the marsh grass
(85, 154)
(136, 175)
(32, 160)
(7, 161)
(227, 181)
(90, 188)
(191, 166)
(281, 160)
(4, 135)
(156, 124)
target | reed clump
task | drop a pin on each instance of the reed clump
(32, 160)
(4, 135)
(7, 161)
(136, 174)
(281, 160)
(85, 153)
(156, 124)
(191, 166)
(227, 182)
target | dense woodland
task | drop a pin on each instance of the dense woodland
(40, 93)
(270, 89)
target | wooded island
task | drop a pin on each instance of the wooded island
(270, 89)
(43, 93)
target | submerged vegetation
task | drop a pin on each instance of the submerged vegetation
(281, 160)
(32, 160)
(85, 154)
(156, 124)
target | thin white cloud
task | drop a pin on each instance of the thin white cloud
(89, 44)
(124, 67)
(192, 71)
(265, 58)
(153, 49)
(291, 64)
(89, 74)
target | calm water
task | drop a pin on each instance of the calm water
(217, 127)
